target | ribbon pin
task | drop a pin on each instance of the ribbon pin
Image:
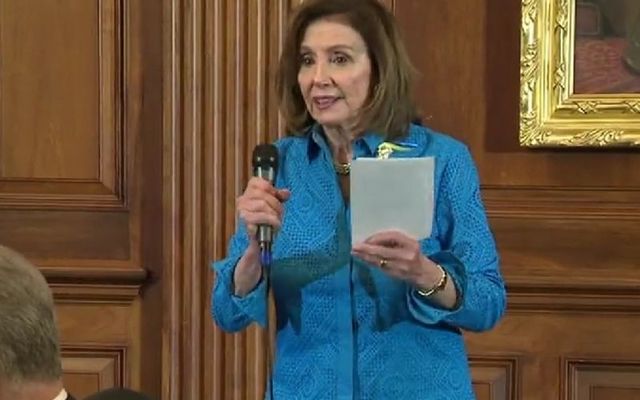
(385, 149)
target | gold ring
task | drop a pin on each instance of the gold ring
(383, 263)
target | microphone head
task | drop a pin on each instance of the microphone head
(265, 156)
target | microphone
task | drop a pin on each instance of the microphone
(265, 165)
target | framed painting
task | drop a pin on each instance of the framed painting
(580, 73)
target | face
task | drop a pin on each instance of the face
(335, 73)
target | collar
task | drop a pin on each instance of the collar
(316, 141)
(409, 146)
(61, 396)
(370, 142)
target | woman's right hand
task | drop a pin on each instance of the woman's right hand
(260, 203)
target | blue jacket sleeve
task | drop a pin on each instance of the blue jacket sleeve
(230, 312)
(469, 252)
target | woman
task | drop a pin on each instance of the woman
(374, 320)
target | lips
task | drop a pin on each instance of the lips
(324, 102)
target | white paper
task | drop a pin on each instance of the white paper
(394, 193)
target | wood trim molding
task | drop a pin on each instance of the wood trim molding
(81, 293)
(183, 269)
(96, 274)
(533, 294)
(247, 38)
(564, 301)
(564, 203)
(94, 281)
(217, 107)
(118, 275)
(67, 273)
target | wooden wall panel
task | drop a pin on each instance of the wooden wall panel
(495, 378)
(63, 153)
(100, 332)
(60, 104)
(602, 380)
(550, 344)
(253, 45)
(218, 106)
(566, 221)
(93, 368)
(63, 141)
(553, 212)
(80, 154)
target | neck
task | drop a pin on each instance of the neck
(31, 390)
(340, 141)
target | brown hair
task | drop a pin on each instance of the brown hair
(390, 108)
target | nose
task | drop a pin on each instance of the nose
(321, 75)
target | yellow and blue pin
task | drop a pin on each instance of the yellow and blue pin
(385, 149)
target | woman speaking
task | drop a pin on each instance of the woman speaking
(383, 318)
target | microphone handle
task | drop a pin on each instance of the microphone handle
(265, 232)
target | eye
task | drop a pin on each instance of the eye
(340, 59)
(306, 60)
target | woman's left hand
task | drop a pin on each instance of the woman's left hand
(399, 255)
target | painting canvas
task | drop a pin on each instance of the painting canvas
(580, 73)
(607, 46)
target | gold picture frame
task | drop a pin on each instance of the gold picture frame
(551, 113)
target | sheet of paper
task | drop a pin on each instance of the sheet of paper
(395, 193)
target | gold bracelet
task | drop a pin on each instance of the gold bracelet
(438, 286)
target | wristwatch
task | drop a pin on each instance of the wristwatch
(438, 287)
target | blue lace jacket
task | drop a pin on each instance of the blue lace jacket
(345, 330)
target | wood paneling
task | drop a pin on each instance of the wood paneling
(252, 43)
(126, 130)
(64, 158)
(602, 380)
(81, 176)
(549, 344)
(100, 331)
(565, 221)
(219, 105)
(494, 378)
(90, 369)
(61, 137)
(62, 143)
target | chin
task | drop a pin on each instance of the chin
(330, 124)
(330, 121)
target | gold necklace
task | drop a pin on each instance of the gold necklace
(342, 168)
